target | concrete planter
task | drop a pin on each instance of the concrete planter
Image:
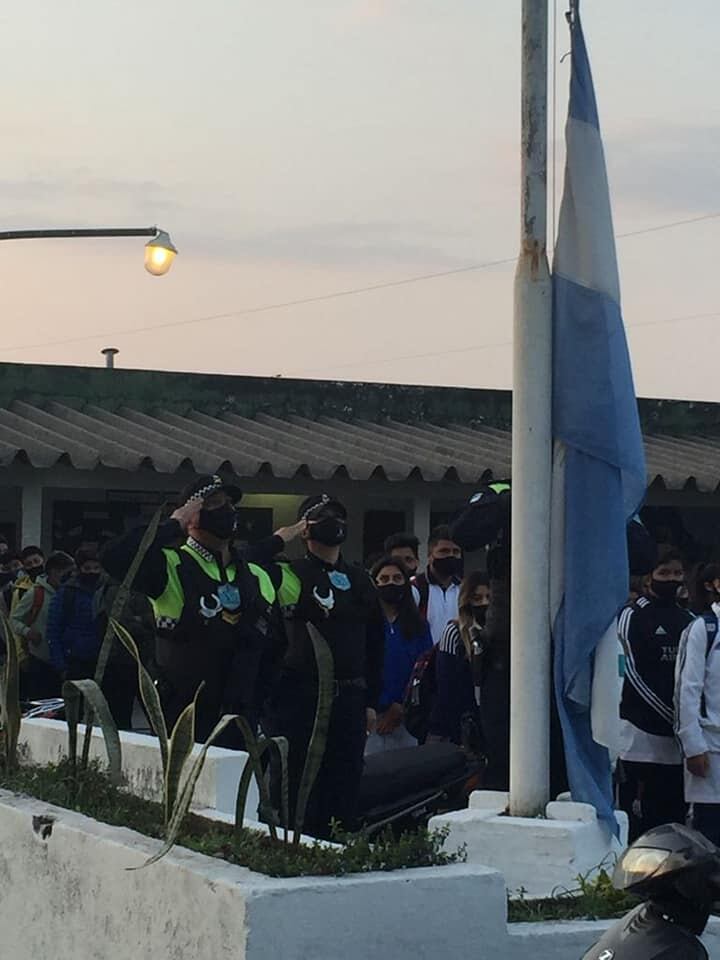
(46, 741)
(67, 892)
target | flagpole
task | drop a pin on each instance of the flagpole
(531, 442)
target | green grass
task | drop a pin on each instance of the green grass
(592, 899)
(91, 793)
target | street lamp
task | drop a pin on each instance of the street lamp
(159, 251)
(159, 254)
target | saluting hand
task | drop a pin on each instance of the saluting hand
(287, 534)
(187, 514)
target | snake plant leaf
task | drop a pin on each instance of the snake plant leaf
(10, 695)
(255, 751)
(74, 691)
(318, 738)
(184, 797)
(182, 740)
(282, 749)
(148, 692)
(121, 597)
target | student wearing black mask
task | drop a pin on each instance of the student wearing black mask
(407, 637)
(340, 601)
(650, 631)
(214, 611)
(439, 586)
(456, 712)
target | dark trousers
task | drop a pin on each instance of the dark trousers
(38, 680)
(337, 787)
(661, 792)
(706, 819)
(120, 686)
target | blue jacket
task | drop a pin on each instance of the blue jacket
(72, 629)
(401, 653)
(455, 690)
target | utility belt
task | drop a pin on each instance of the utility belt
(310, 684)
(355, 683)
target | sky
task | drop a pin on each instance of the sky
(301, 151)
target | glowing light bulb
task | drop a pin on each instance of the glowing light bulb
(159, 254)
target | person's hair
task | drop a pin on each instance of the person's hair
(410, 619)
(84, 554)
(58, 561)
(398, 541)
(701, 599)
(31, 552)
(478, 578)
(670, 555)
(439, 533)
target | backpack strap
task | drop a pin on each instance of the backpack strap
(711, 630)
(421, 584)
(37, 602)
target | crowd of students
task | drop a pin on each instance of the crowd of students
(415, 657)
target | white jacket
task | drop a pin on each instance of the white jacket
(697, 690)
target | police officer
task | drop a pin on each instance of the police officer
(339, 599)
(213, 610)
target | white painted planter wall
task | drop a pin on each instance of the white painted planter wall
(45, 741)
(67, 893)
(536, 855)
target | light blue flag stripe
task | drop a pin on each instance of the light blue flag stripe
(599, 479)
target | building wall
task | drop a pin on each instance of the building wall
(32, 500)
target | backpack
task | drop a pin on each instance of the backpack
(420, 695)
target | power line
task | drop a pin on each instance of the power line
(284, 304)
(490, 346)
(337, 294)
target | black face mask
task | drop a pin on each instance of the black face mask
(479, 615)
(448, 566)
(665, 589)
(330, 531)
(35, 572)
(219, 522)
(392, 593)
(89, 580)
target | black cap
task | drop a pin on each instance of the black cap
(206, 485)
(321, 503)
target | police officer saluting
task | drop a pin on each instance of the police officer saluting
(213, 609)
(339, 599)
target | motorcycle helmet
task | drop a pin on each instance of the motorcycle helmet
(670, 861)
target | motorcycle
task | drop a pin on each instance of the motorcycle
(402, 789)
(677, 871)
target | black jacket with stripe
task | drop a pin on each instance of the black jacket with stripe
(650, 632)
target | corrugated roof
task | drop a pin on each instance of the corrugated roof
(284, 447)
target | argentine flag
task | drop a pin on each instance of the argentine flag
(598, 465)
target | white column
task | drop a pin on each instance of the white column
(421, 525)
(31, 514)
(531, 442)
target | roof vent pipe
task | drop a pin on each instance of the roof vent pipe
(109, 354)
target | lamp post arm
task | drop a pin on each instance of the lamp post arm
(79, 232)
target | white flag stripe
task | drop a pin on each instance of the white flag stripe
(586, 256)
